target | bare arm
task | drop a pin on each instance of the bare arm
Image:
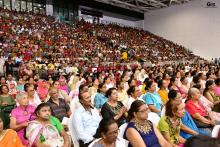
(188, 130)
(153, 109)
(15, 126)
(66, 138)
(181, 139)
(160, 138)
(69, 113)
(209, 97)
(201, 118)
(134, 138)
(166, 135)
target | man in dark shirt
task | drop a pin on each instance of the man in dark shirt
(59, 108)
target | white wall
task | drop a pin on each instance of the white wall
(191, 25)
(139, 24)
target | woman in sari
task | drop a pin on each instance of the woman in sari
(46, 130)
(8, 137)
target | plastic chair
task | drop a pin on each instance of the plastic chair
(74, 104)
(215, 131)
(93, 98)
(73, 132)
(163, 111)
(154, 118)
(122, 130)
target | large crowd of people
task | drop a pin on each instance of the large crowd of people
(54, 75)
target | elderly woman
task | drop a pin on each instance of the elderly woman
(8, 137)
(201, 117)
(152, 98)
(140, 132)
(107, 133)
(114, 108)
(21, 115)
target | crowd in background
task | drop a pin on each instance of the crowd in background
(54, 72)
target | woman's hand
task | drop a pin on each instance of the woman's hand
(123, 110)
(212, 122)
(4, 103)
(25, 124)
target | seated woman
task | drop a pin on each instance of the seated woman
(207, 104)
(5, 98)
(20, 116)
(174, 85)
(39, 132)
(217, 87)
(94, 88)
(170, 124)
(187, 121)
(201, 117)
(140, 132)
(42, 89)
(107, 134)
(33, 97)
(163, 91)
(100, 98)
(152, 98)
(114, 108)
(8, 137)
(210, 95)
(7, 103)
(62, 93)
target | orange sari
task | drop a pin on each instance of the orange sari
(10, 139)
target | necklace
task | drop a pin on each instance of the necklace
(25, 112)
(174, 127)
(143, 127)
(115, 109)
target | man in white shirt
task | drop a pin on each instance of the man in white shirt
(86, 120)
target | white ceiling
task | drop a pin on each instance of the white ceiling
(143, 5)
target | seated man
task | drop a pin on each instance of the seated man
(58, 106)
(85, 120)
